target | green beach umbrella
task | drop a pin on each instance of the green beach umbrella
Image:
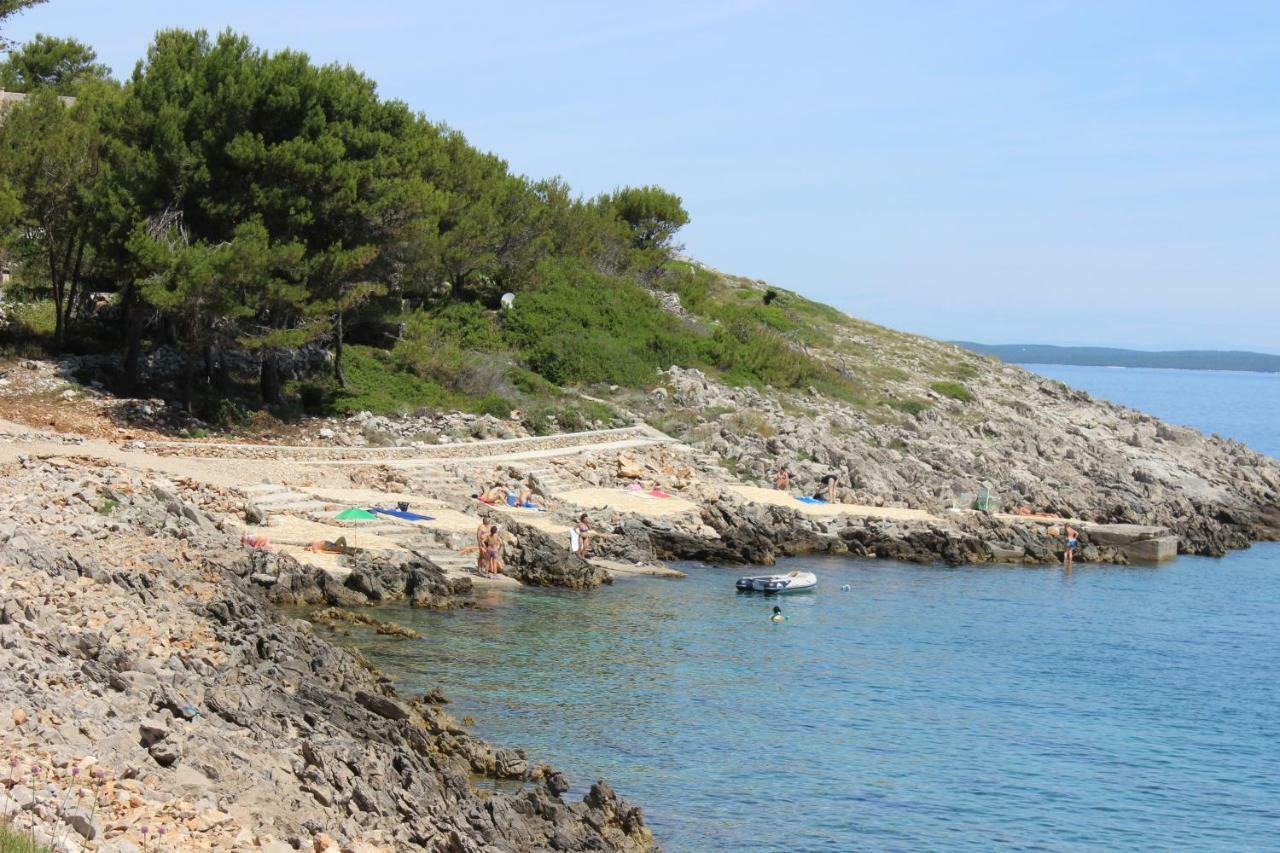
(355, 514)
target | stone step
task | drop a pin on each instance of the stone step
(263, 488)
(302, 505)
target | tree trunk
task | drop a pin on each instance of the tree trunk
(338, 375)
(74, 289)
(269, 380)
(57, 279)
(133, 339)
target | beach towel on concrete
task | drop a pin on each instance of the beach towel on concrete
(400, 513)
(806, 499)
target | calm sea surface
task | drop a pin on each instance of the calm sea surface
(925, 708)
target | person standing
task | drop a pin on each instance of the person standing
(493, 551)
(1073, 541)
(482, 534)
(782, 480)
(828, 492)
(586, 536)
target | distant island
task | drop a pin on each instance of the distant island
(1111, 357)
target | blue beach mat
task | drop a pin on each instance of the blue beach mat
(407, 516)
(807, 499)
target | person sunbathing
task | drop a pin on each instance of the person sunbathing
(324, 546)
(255, 540)
(528, 500)
(496, 494)
(782, 480)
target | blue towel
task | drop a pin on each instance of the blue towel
(532, 505)
(407, 516)
(806, 499)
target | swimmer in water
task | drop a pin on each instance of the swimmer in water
(777, 615)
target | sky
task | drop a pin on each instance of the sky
(1076, 172)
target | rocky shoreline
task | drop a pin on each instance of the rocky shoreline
(155, 681)
(153, 699)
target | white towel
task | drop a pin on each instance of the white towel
(575, 540)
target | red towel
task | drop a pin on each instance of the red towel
(658, 493)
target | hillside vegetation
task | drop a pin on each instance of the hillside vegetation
(227, 206)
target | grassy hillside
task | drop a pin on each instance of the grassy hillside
(582, 331)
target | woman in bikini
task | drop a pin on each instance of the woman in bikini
(493, 552)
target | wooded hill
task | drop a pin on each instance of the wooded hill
(235, 205)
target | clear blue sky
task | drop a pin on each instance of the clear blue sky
(1051, 172)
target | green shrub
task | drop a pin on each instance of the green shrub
(316, 399)
(741, 422)
(954, 390)
(691, 283)
(529, 382)
(579, 327)
(495, 405)
(379, 382)
(911, 405)
(593, 410)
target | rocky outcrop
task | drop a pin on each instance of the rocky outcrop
(147, 688)
(373, 579)
(1035, 442)
(538, 559)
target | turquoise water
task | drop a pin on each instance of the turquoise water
(926, 708)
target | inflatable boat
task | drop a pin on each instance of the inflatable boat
(790, 582)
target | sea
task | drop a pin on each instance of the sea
(906, 707)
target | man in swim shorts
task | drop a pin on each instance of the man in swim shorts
(1073, 541)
